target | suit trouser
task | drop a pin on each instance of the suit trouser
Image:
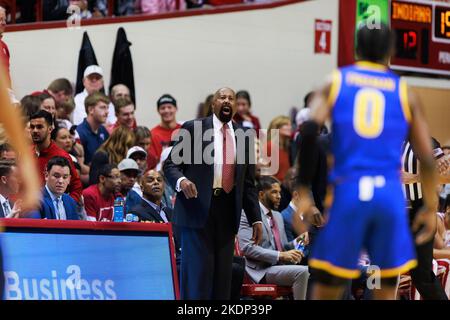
(207, 253)
(237, 278)
(295, 276)
(423, 276)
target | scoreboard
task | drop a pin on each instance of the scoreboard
(422, 36)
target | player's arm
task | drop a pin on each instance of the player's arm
(11, 120)
(309, 132)
(420, 141)
(321, 103)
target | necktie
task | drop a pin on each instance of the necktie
(57, 214)
(6, 209)
(228, 160)
(275, 231)
(59, 205)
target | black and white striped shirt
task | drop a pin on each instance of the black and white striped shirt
(410, 164)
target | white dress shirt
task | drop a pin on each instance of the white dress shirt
(218, 152)
(79, 113)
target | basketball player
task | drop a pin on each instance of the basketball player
(372, 113)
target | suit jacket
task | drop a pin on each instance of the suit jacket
(287, 218)
(193, 213)
(47, 209)
(2, 211)
(259, 258)
(146, 212)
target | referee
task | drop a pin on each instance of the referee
(422, 276)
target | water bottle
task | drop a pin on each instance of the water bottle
(131, 218)
(302, 248)
(118, 209)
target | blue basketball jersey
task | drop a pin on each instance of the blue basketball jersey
(371, 117)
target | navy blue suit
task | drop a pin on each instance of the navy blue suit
(47, 209)
(146, 212)
(208, 224)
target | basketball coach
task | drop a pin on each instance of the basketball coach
(211, 169)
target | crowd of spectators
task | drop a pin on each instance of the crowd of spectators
(53, 10)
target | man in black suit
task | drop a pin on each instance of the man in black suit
(151, 208)
(211, 169)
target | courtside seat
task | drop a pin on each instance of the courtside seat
(254, 290)
(442, 274)
(441, 269)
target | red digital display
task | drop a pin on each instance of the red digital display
(406, 47)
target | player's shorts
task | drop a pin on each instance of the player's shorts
(359, 219)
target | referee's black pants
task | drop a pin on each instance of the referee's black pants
(423, 276)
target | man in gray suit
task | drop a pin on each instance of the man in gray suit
(275, 260)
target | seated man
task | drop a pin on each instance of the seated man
(91, 131)
(99, 198)
(124, 109)
(129, 172)
(55, 203)
(275, 260)
(9, 186)
(151, 208)
(139, 155)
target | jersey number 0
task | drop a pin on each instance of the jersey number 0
(368, 113)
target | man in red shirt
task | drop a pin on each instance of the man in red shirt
(99, 198)
(41, 126)
(4, 51)
(162, 133)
